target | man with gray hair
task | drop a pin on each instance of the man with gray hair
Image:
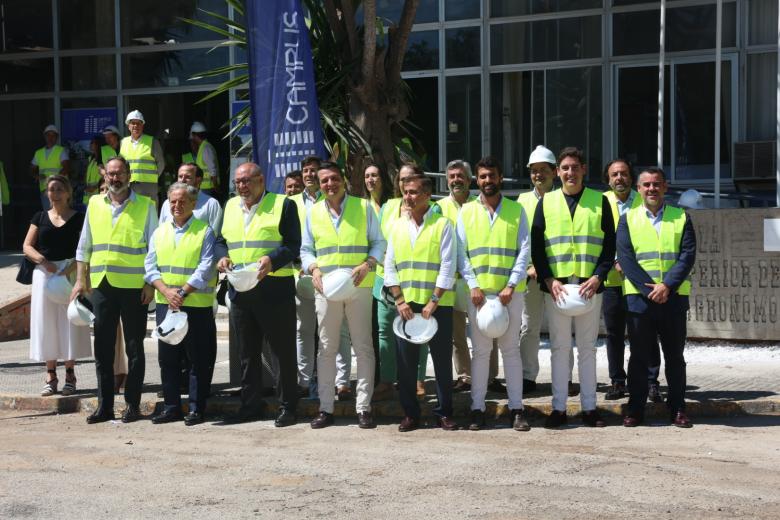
(180, 266)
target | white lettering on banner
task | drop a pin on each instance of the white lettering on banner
(297, 112)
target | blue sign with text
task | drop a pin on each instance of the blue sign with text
(80, 124)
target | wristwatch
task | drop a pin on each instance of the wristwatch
(435, 299)
(181, 292)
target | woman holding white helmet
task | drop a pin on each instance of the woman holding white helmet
(51, 244)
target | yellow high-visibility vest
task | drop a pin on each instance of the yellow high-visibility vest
(143, 167)
(91, 180)
(48, 165)
(656, 253)
(246, 245)
(106, 153)
(177, 262)
(450, 208)
(615, 279)
(119, 250)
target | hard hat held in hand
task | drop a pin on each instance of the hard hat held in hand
(572, 303)
(418, 330)
(338, 285)
(58, 289)
(173, 328)
(80, 312)
(243, 280)
(493, 318)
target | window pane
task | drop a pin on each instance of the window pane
(171, 69)
(546, 40)
(86, 23)
(464, 118)
(390, 10)
(26, 26)
(461, 9)
(500, 8)
(462, 47)
(635, 33)
(574, 115)
(148, 22)
(423, 51)
(690, 28)
(762, 21)
(517, 122)
(761, 98)
(26, 76)
(632, 2)
(424, 114)
(88, 73)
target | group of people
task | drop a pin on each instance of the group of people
(405, 256)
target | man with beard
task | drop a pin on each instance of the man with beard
(493, 234)
(110, 255)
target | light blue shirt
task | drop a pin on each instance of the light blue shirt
(84, 249)
(656, 219)
(205, 270)
(206, 209)
(376, 243)
(523, 247)
(624, 207)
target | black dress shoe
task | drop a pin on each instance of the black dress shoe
(556, 419)
(366, 420)
(461, 385)
(593, 419)
(323, 420)
(100, 416)
(616, 391)
(518, 420)
(193, 418)
(408, 424)
(131, 414)
(529, 386)
(497, 387)
(285, 418)
(244, 415)
(167, 416)
(477, 421)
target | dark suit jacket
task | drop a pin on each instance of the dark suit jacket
(626, 256)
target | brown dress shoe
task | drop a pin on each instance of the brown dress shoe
(446, 423)
(632, 420)
(461, 385)
(344, 393)
(365, 420)
(681, 420)
(408, 424)
(323, 420)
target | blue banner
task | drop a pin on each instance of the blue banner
(285, 116)
(80, 124)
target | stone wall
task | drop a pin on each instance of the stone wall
(15, 319)
(735, 283)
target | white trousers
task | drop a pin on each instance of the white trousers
(357, 311)
(305, 340)
(508, 344)
(586, 331)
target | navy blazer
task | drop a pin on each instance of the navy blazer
(626, 256)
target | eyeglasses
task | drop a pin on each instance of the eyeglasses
(116, 174)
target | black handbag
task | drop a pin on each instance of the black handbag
(26, 268)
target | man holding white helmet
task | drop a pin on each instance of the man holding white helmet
(50, 160)
(342, 233)
(180, 265)
(419, 273)
(573, 242)
(262, 233)
(145, 156)
(493, 237)
(205, 157)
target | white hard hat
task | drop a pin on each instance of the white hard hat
(541, 154)
(418, 330)
(304, 287)
(493, 318)
(50, 128)
(135, 115)
(338, 285)
(691, 199)
(462, 295)
(58, 289)
(80, 312)
(111, 129)
(173, 328)
(197, 128)
(243, 280)
(572, 303)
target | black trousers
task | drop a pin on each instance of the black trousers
(666, 322)
(109, 304)
(266, 312)
(613, 307)
(200, 346)
(408, 356)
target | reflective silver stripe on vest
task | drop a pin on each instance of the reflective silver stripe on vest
(425, 266)
(499, 251)
(652, 255)
(172, 269)
(414, 284)
(489, 269)
(117, 269)
(257, 244)
(141, 161)
(342, 249)
(119, 249)
(205, 290)
(567, 239)
(653, 273)
(573, 258)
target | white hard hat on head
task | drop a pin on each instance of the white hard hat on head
(51, 128)
(197, 128)
(541, 154)
(111, 129)
(691, 199)
(135, 115)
